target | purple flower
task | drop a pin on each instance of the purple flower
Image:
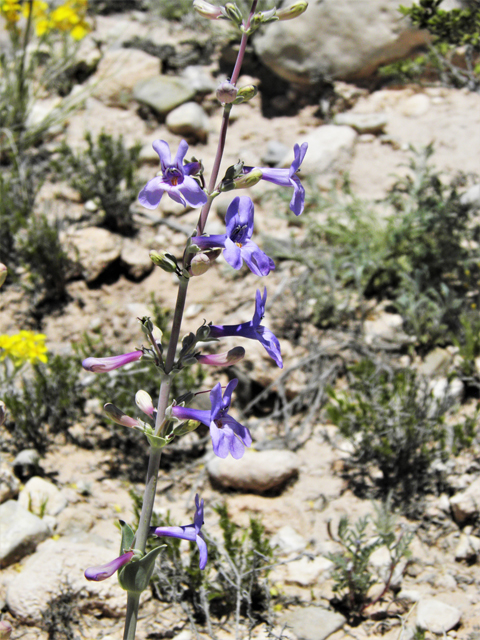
(190, 532)
(176, 179)
(106, 570)
(288, 178)
(108, 364)
(253, 330)
(236, 242)
(222, 359)
(228, 435)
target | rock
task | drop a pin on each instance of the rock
(55, 564)
(275, 153)
(385, 327)
(327, 145)
(94, 250)
(42, 497)
(334, 40)
(313, 623)
(288, 540)
(260, 471)
(136, 259)
(306, 571)
(437, 616)
(381, 561)
(20, 532)
(436, 361)
(363, 122)
(163, 93)
(26, 463)
(416, 105)
(42, 112)
(410, 595)
(471, 197)
(118, 73)
(443, 389)
(468, 548)
(198, 79)
(9, 484)
(189, 119)
(466, 504)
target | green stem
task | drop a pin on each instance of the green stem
(131, 618)
(21, 72)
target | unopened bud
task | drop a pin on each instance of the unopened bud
(293, 11)
(246, 93)
(3, 273)
(203, 332)
(207, 10)
(186, 427)
(222, 359)
(249, 179)
(263, 17)
(117, 415)
(233, 13)
(144, 402)
(3, 414)
(5, 630)
(146, 326)
(157, 334)
(202, 262)
(164, 260)
(227, 92)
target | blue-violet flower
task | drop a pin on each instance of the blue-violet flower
(253, 330)
(190, 532)
(176, 179)
(236, 243)
(102, 365)
(106, 570)
(228, 435)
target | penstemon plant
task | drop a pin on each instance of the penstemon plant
(184, 182)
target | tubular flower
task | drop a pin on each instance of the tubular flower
(190, 532)
(288, 178)
(103, 365)
(253, 330)
(104, 571)
(175, 179)
(236, 243)
(228, 435)
(222, 359)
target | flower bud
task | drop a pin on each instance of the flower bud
(3, 273)
(233, 13)
(246, 93)
(110, 363)
(5, 630)
(227, 92)
(293, 11)
(164, 260)
(157, 334)
(3, 412)
(207, 10)
(203, 332)
(202, 262)
(186, 427)
(144, 402)
(106, 570)
(117, 415)
(249, 179)
(222, 359)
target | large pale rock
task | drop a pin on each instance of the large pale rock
(466, 504)
(363, 122)
(189, 119)
(313, 623)
(306, 571)
(163, 93)
(118, 73)
(337, 39)
(55, 564)
(259, 472)
(20, 532)
(287, 540)
(136, 259)
(327, 146)
(9, 485)
(93, 249)
(42, 497)
(437, 616)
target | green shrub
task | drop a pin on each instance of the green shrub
(105, 172)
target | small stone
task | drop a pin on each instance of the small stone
(437, 616)
(416, 105)
(189, 120)
(381, 561)
(163, 93)
(275, 153)
(385, 327)
(466, 504)
(91, 206)
(93, 249)
(198, 79)
(410, 595)
(42, 497)
(436, 361)
(26, 463)
(468, 548)
(306, 571)
(313, 623)
(363, 122)
(136, 260)
(9, 485)
(261, 471)
(20, 532)
(193, 310)
(288, 540)
(471, 197)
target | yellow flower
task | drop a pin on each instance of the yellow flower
(25, 346)
(71, 17)
(11, 11)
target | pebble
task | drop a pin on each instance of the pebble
(288, 540)
(26, 463)
(468, 548)
(416, 105)
(260, 471)
(306, 571)
(189, 119)
(471, 196)
(198, 79)
(20, 532)
(363, 122)
(108, 248)
(437, 616)
(163, 93)
(466, 504)
(313, 623)
(9, 485)
(275, 153)
(136, 260)
(42, 497)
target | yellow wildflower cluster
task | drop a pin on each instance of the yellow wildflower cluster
(25, 346)
(69, 17)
